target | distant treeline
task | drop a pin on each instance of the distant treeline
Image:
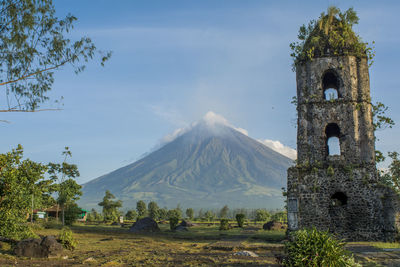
(111, 212)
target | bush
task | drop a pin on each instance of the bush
(310, 247)
(173, 222)
(224, 224)
(71, 214)
(240, 219)
(52, 223)
(67, 239)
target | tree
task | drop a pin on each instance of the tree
(110, 207)
(190, 213)
(68, 189)
(240, 218)
(131, 215)
(92, 216)
(392, 176)
(72, 213)
(262, 215)
(279, 216)
(141, 208)
(20, 180)
(224, 212)
(174, 213)
(209, 215)
(153, 210)
(163, 214)
(34, 44)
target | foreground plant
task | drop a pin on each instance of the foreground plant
(67, 239)
(310, 247)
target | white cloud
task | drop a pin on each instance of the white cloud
(212, 118)
(279, 147)
(172, 136)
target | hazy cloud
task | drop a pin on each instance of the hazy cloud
(279, 147)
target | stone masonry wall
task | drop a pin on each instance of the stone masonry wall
(361, 217)
(339, 193)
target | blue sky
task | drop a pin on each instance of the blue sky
(173, 61)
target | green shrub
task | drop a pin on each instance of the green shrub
(173, 222)
(67, 239)
(224, 224)
(52, 224)
(240, 219)
(310, 247)
(71, 213)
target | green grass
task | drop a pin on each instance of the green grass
(105, 245)
(202, 245)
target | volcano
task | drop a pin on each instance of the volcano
(209, 165)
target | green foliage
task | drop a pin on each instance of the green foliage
(67, 239)
(310, 247)
(224, 224)
(173, 222)
(141, 208)
(175, 213)
(153, 210)
(262, 215)
(190, 213)
(68, 189)
(209, 215)
(33, 45)
(91, 217)
(20, 182)
(280, 216)
(110, 207)
(380, 120)
(72, 213)
(392, 176)
(330, 35)
(131, 215)
(163, 214)
(223, 213)
(240, 218)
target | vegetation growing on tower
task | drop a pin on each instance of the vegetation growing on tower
(331, 35)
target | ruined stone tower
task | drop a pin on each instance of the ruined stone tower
(334, 185)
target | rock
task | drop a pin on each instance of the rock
(145, 225)
(186, 223)
(272, 225)
(90, 259)
(38, 248)
(29, 248)
(246, 253)
(181, 228)
(51, 246)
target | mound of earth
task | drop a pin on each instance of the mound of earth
(145, 225)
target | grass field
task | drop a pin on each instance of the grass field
(202, 245)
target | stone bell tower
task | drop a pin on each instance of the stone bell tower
(334, 185)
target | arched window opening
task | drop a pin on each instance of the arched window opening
(331, 94)
(333, 146)
(332, 132)
(330, 85)
(339, 199)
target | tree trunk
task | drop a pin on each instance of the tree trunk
(62, 208)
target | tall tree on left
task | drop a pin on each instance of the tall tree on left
(33, 44)
(20, 180)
